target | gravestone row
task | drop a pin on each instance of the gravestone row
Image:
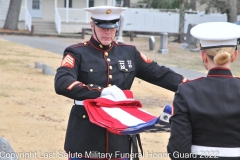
(163, 43)
(45, 68)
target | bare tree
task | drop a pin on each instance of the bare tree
(126, 3)
(193, 4)
(181, 20)
(223, 6)
(232, 10)
(149, 3)
(13, 15)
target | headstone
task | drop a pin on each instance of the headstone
(38, 65)
(47, 70)
(184, 46)
(28, 65)
(190, 40)
(163, 43)
(6, 151)
(151, 43)
(195, 50)
(120, 30)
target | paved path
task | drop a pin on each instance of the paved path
(52, 44)
(57, 45)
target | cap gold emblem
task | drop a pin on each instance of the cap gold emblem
(108, 11)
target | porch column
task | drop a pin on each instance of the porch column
(25, 10)
(110, 2)
(86, 3)
(67, 10)
(114, 3)
(55, 5)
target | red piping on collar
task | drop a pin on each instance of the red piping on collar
(101, 49)
(220, 75)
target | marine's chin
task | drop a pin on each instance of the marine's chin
(106, 42)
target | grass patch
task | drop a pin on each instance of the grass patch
(3, 94)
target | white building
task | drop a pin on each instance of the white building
(64, 13)
(68, 16)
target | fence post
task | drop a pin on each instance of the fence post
(83, 33)
(32, 30)
(131, 36)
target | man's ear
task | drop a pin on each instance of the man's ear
(92, 24)
(234, 56)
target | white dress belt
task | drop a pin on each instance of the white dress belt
(216, 151)
(76, 102)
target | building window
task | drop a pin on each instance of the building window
(35, 4)
(69, 3)
(119, 3)
(91, 3)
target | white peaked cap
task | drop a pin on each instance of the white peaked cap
(213, 34)
(105, 12)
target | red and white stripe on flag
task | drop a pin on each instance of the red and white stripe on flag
(68, 61)
(119, 117)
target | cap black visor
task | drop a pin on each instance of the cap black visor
(107, 24)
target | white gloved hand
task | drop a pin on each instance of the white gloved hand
(114, 91)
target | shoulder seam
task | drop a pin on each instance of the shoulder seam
(84, 44)
(122, 44)
(187, 81)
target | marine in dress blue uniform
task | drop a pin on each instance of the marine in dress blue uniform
(206, 116)
(90, 67)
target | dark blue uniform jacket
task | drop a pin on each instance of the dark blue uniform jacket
(85, 70)
(206, 113)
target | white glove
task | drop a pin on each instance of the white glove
(115, 92)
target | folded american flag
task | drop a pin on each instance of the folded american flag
(123, 116)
